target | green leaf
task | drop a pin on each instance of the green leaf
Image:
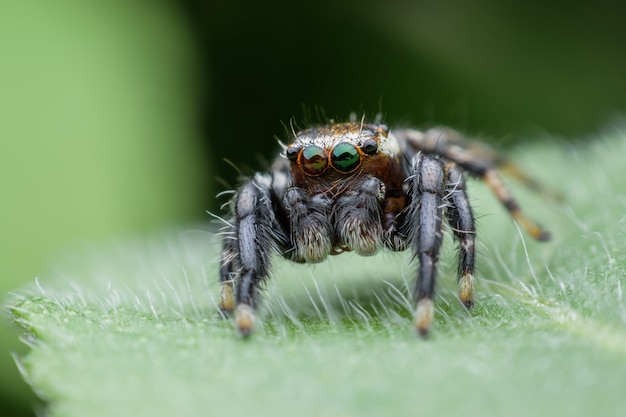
(133, 330)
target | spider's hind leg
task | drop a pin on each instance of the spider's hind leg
(499, 188)
(483, 162)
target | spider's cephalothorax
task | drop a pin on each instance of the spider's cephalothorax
(357, 186)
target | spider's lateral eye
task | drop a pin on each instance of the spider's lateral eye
(292, 153)
(370, 147)
(345, 157)
(313, 160)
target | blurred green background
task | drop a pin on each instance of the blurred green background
(115, 115)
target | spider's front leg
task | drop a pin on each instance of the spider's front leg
(437, 189)
(425, 223)
(247, 250)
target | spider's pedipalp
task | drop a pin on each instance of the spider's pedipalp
(309, 220)
(356, 217)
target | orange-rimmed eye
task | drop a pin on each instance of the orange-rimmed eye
(313, 160)
(345, 157)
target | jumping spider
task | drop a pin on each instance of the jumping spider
(360, 187)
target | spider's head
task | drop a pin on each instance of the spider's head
(330, 152)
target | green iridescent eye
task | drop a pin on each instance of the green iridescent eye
(345, 157)
(313, 160)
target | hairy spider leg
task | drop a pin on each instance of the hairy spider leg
(227, 275)
(256, 238)
(461, 220)
(427, 182)
(493, 180)
(444, 142)
(532, 184)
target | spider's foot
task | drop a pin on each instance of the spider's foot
(543, 236)
(467, 290)
(227, 300)
(244, 320)
(423, 316)
(534, 229)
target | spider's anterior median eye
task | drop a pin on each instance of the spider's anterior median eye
(345, 157)
(313, 160)
(370, 147)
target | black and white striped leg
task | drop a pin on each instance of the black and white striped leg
(461, 221)
(427, 192)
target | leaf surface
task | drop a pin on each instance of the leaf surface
(133, 330)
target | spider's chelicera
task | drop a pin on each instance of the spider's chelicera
(361, 187)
